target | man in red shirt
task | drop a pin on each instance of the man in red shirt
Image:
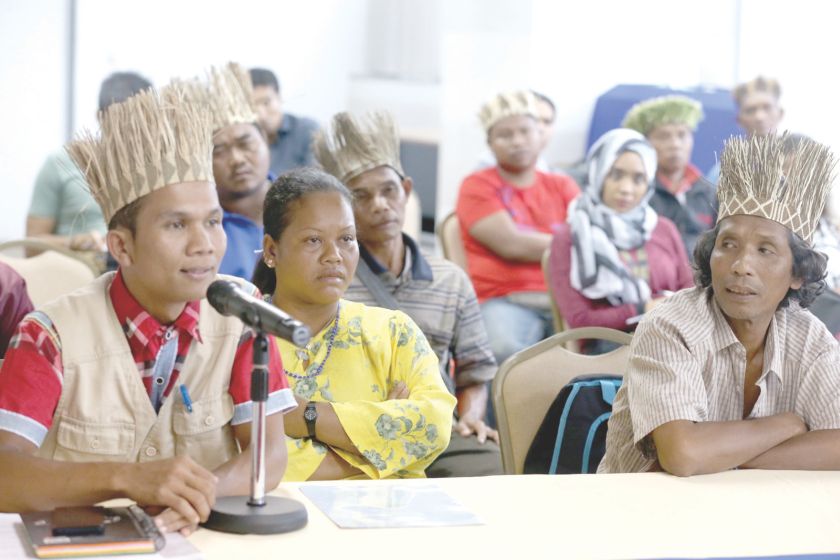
(507, 215)
(133, 386)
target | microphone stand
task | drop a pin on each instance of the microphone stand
(257, 514)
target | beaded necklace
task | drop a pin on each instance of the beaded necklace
(330, 340)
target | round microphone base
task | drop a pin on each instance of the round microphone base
(233, 514)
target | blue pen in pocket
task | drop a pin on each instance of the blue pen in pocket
(185, 396)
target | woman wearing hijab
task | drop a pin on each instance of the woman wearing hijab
(615, 258)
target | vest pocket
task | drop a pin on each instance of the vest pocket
(205, 434)
(85, 441)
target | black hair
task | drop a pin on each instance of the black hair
(289, 188)
(808, 265)
(545, 99)
(119, 86)
(126, 217)
(264, 77)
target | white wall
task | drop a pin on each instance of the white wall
(485, 49)
(581, 50)
(796, 43)
(33, 41)
(313, 47)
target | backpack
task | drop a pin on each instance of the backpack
(572, 436)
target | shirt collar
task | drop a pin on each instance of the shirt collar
(420, 269)
(286, 125)
(138, 324)
(690, 176)
(723, 337)
(774, 343)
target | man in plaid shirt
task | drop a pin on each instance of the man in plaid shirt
(134, 386)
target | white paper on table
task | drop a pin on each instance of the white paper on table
(356, 506)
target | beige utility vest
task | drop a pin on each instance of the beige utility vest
(105, 413)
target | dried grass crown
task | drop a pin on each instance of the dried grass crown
(353, 145)
(230, 95)
(151, 140)
(507, 105)
(759, 177)
(667, 109)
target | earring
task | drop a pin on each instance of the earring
(269, 263)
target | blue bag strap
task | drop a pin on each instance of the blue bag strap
(608, 388)
(561, 428)
(590, 437)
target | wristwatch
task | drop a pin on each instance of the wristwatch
(310, 416)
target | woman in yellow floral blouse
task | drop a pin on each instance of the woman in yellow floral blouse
(371, 400)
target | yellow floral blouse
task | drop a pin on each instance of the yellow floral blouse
(372, 350)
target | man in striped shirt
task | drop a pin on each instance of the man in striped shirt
(434, 292)
(735, 373)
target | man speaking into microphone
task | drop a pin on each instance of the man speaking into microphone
(135, 386)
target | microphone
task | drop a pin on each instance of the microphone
(229, 299)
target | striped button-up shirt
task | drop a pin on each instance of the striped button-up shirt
(439, 297)
(687, 364)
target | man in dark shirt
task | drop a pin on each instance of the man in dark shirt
(681, 192)
(289, 136)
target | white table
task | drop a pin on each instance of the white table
(737, 513)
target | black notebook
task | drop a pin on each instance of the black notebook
(92, 531)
